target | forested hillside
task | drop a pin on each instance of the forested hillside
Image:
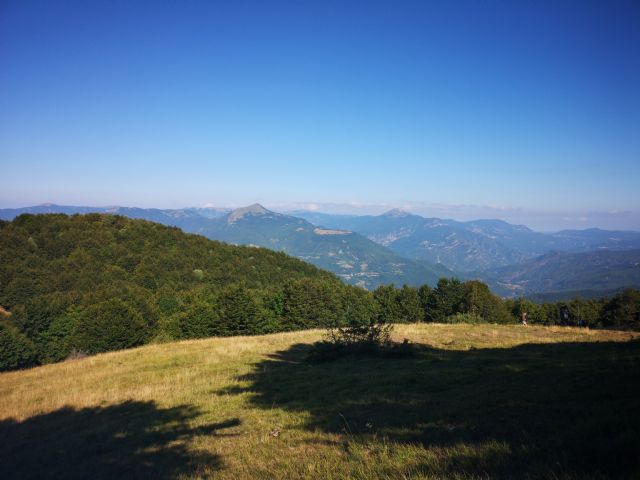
(97, 282)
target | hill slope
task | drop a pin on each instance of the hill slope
(102, 282)
(559, 271)
(474, 402)
(353, 257)
(471, 246)
(460, 246)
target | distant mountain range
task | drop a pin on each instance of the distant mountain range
(151, 214)
(600, 271)
(398, 247)
(474, 246)
(353, 257)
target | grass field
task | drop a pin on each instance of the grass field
(479, 401)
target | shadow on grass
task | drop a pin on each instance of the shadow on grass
(128, 440)
(532, 411)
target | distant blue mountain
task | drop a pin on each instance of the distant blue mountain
(132, 212)
(353, 257)
(470, 246)
(597, 271)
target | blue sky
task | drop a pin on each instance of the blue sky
(528, 111)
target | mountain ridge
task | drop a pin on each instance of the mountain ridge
(354, 258)
(557, 272)
(395, 246)
(473, 245)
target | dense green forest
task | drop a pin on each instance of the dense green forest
(85, 284)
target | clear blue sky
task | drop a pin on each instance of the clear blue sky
(530, 107)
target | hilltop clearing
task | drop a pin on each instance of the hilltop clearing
(474, 401)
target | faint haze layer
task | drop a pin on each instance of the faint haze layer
(530, 109)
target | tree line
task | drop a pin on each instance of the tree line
(95, 283)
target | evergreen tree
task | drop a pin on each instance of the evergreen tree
(239, 312)
(57, 342)
(386, 299)
(358, 305)
(16, 350)
(445, 300)
(478, 300)
(424, 292)
(623, 310)
(110, 325)
(409, 305)
(200, 320)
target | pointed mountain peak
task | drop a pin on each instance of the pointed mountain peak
(255, 209)
(396, 212)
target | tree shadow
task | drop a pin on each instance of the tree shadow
(531, 411)
(129, 440)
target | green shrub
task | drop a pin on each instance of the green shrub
(464, 318)
(198, 273)
(358, 336)
(361, 333)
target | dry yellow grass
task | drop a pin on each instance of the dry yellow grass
(213, 378)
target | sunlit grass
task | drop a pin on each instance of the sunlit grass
(253, 413)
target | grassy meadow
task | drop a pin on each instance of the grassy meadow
(474, 401)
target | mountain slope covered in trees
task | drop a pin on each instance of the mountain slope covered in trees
(353, 257)
(102, 282)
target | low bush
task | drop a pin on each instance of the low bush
(464, 318)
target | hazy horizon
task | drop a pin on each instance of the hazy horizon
(538, 221)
